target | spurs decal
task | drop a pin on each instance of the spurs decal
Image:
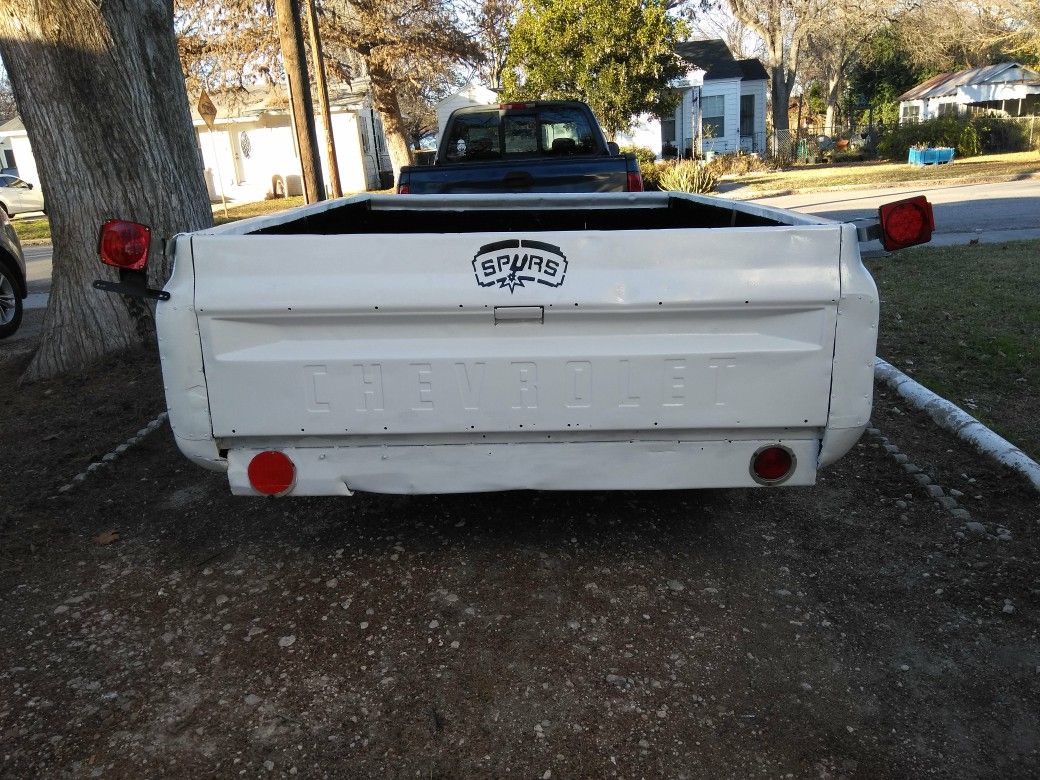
(516, 262)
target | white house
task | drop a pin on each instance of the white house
(251, 151)
(1008, 89)
(726, 94)
(17, 152)
(6, 151)
(473, 94)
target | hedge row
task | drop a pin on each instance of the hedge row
(968, 135)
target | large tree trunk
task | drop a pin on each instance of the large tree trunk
(100, 91)
(833, 93)
(781, 96)
(384, 96)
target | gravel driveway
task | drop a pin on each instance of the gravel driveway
(848, 630)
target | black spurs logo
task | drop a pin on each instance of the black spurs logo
(515, 262)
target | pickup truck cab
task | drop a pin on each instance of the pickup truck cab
(439, 344)
(541, 146)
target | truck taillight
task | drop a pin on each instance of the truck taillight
(772, 465)
(271, 473)
(906, 223)
(515, 106)
(635, 181)
(404, 189)
(124, 244)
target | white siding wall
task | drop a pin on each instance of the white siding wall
(729, 89)
(980, 93)
(921, 104)
(23, 158)
(272, 152)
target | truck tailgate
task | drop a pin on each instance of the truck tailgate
(431, 334)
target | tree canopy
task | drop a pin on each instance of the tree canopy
(617, 57)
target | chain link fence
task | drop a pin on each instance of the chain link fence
(815, 144)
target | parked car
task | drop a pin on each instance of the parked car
(539, 146)
(18, 196)
(12, 278)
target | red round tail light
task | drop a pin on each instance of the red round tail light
(124, 244)
(906, 223)
(772, 465)
(271, 473)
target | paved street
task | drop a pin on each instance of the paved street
(998, 212)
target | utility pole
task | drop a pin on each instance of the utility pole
(290, 35)
(323, 98)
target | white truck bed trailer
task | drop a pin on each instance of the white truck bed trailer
(437, 344)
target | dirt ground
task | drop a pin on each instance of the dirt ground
(853, 629)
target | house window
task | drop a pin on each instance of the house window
(948, 109)
(910, 114)
(668, 131)
(713, 116)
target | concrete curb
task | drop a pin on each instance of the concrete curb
(952, 418)
(735, 194)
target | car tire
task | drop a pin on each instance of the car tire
(11, 304)
(3, 206)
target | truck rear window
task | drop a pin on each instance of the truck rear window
(496, 134)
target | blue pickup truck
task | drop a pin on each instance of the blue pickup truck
(541, 146)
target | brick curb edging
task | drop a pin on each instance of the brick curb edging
(955, 420)
(946, 499)
(115, 454)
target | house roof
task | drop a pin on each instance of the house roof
(947, 83)
(752, 69)
(712, 56)
(253, 102)
(12, 126)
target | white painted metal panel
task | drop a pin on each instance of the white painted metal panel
(463, 468)
(671, 329)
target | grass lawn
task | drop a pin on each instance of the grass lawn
(989, 167)
(32, 229)
(965, 322)
(255, 209)
(38, 229)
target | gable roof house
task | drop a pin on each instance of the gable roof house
(728, 94)
(250, 153)
(731, 95)
(1007, 89)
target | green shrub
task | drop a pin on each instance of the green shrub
(1000, 134)
(644, 155)
(651, 173)
(689, 176)
(968, 135)
(737, 164)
